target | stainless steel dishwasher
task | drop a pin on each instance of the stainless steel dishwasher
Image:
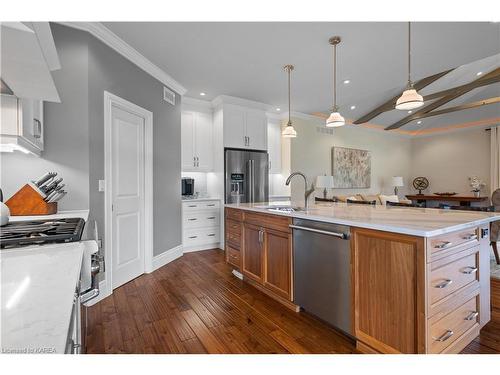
(322, 271)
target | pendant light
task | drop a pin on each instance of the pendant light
(335, 119)
(289, 131)
(410, 99)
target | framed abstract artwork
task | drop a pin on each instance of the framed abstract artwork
(351, 168)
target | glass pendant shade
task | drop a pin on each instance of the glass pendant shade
(410, 99)
(289, 132)
(335, 120)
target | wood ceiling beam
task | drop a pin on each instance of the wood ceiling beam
(461, 107)
(494, 78)
(457, 92)
(389, 105)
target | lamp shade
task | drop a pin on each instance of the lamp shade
(410, 99)
(397, 181)
(335, 120)
(289, 132)
(324, 182)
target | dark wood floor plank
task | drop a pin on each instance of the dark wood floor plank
(196, 305)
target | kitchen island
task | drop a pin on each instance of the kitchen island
(419, 278)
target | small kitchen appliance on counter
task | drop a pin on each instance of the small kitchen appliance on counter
(187, 186)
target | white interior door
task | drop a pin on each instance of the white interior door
(127, 195)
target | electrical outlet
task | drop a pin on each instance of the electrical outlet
(102, 185)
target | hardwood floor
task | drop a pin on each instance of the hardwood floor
(195, 305)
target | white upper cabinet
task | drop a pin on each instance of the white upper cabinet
(197, 141)
(256, 130)
(244, 128)
(234, 127)
(274, 146)
(22, 127)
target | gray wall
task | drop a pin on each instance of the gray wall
(75, 133)
(66, 129)
(109, 71)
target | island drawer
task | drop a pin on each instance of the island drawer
(449, 275)
(233, 233)
(446, 243)
(234, 214)
(448, 329)
(233, 256)
(276, 222)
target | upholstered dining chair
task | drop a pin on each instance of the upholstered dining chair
(495, 226)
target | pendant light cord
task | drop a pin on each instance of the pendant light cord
(334, 77)
(289, 97)
(409, 54)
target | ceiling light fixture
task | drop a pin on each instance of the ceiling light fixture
(410, 99)
(479, 73)
(289, 131)
(347, 81)
(353, 107)
(202, 94)
(335, 118)
(419, 122)
(278, 109)
(410, 111)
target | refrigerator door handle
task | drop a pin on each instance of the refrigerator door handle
(250, 166)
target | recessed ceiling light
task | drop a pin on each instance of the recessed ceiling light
(347, 81)
(419, 122)
(479, 73)
(410, 111)
(202, 94)
(353, 107)
(278, 109)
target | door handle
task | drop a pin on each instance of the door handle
(444, 284)
(445, 336)
(473, 315)
(469, 270)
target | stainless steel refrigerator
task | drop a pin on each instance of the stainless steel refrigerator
(247, 176)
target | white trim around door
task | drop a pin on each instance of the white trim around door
(110, 101)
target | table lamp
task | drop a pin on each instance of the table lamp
(397, 182)
(325, 182)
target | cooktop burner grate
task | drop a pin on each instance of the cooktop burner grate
(41, 232)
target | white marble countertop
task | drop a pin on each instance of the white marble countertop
(84, 214)
(200, 199)
(422, 222)
(37, 288)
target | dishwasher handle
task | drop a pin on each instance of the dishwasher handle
(343, 236)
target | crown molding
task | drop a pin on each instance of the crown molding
(105, 35)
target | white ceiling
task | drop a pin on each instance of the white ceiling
(246, 59)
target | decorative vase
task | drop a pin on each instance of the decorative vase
(477, 194)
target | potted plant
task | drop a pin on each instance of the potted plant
(476, 184)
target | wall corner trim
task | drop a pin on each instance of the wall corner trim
(166, 257)
(112, 40)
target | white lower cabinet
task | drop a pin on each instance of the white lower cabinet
(200, 224)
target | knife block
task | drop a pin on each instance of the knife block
(28, 201)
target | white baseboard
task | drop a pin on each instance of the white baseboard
(166, 257)
(190, 249)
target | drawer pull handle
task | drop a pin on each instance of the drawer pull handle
(471, 236)
(444, 245)
(443, 284)
(192, 237)
(473, 315)
(445, 336)
(469, 270)
(211, 205)
(192, 219)
(211, 235)
(193, 205)
(211, 217)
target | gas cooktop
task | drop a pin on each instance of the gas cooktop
(37, 232)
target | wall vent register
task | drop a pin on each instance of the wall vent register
(168, 96)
